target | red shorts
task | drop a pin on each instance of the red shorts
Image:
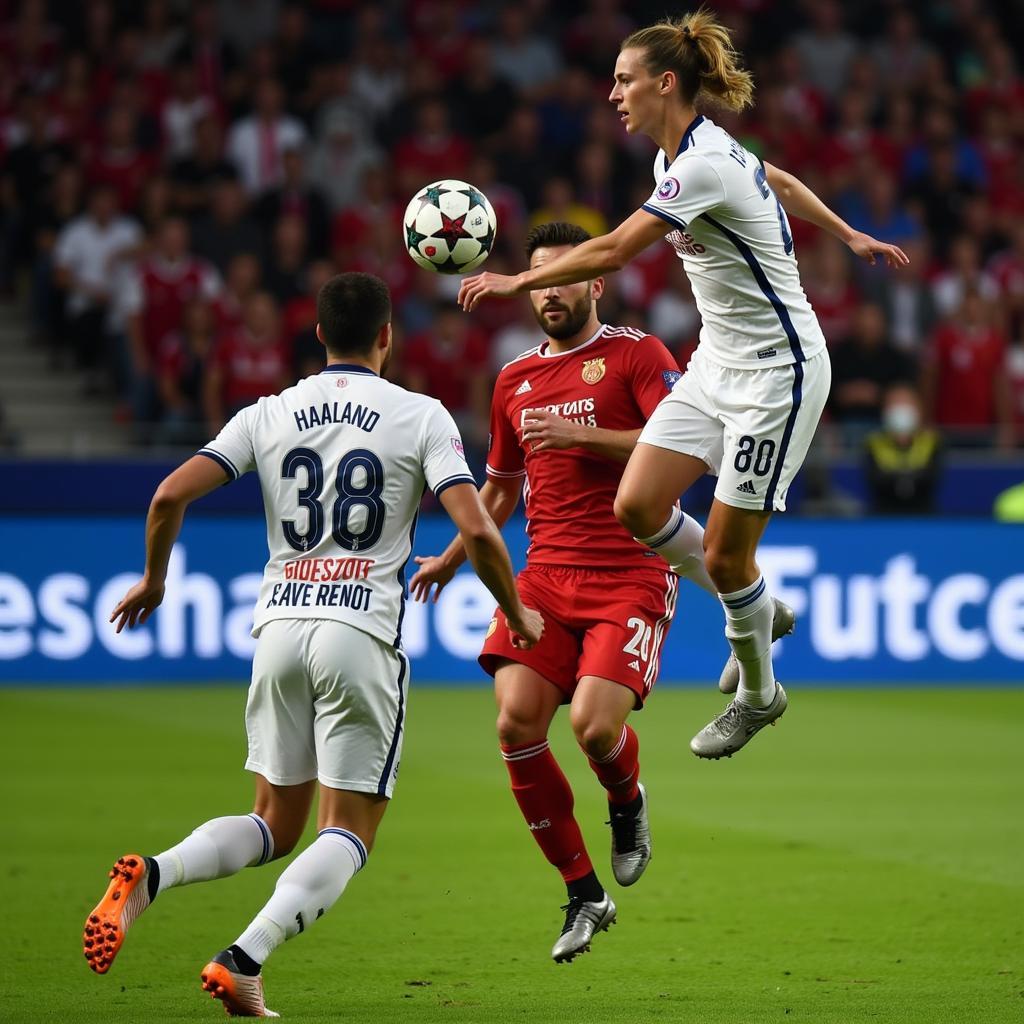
(597, 622)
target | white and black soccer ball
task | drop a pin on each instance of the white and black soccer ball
(449, 227)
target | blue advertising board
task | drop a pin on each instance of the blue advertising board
(879, 602)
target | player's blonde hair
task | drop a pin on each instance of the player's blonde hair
(699, 51)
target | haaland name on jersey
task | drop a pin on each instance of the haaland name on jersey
(332, 412)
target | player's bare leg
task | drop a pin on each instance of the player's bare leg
(598, 716)
(527, 702)
(215, 849)
(347, 825)
(653, 480)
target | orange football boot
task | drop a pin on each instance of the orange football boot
(241, 994)
(126, 897)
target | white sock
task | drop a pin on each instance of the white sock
(748, 628)
(306, 890)
(216, 849)
(681, 543)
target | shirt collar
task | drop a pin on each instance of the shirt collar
(348, 368)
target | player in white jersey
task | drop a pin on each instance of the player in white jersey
(747, 406)
(343, 458)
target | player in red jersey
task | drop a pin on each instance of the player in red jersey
(564, 418)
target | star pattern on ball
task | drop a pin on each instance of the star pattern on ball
(475, 198)
(488, 240)
(451, 230)
(431, 196)
(412, 236)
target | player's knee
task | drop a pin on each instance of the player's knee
(286, 835)
(597, 737)
(634, 515)
(516, 727)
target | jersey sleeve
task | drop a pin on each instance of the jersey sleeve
(444, 459)
(232, 449)
(653, 372)
(691, 187)
(504, 455)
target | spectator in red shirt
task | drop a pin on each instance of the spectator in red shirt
(965, 384)
(450, 363)
(182, 364)
(242, 280)
(118, 161)
(249, 362)
(432, 150)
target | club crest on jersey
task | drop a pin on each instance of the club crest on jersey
(593, 370)
(460, 449)
(341, 382)
(668, 189)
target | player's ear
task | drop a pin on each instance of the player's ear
(320, 336)
(384, 336)
(597, 288)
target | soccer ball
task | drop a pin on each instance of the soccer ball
(449, 227)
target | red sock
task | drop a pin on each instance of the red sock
(545, 798)
(620, 770)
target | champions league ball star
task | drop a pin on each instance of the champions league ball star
(449, 227)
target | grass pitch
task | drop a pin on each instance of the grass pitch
(862, 862)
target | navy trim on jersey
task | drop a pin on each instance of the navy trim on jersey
(264, 832)
(687, 138)
(348, 368)
(351, 837)
(665, 216)
(401, 578)
(762, 279)
(787, 433)
(222, 460)
(392, 750)
(443, 486)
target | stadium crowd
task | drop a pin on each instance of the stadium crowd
(178, 179)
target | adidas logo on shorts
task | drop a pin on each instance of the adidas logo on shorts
(523, 388)
(746, 488)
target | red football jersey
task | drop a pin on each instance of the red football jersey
(613, 381)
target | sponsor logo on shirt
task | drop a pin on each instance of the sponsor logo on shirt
(670, 377)
(668, 189)
(593, 370)
(766, 353)
(684, 244)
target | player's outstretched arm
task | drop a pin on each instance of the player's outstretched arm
(489, 557)
(797, 199)
(188, 482)
(600, 255)
(436, 571)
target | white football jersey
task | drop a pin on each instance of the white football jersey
(734, 240)
(343, 459)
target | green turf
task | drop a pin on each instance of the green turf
(862, 862)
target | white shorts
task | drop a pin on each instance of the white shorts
(751, 427)
(327, 701)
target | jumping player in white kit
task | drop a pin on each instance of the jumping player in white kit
(343, 458)
(749, 402)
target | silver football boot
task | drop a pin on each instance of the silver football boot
(736, 726)
(783, 623)
(631, 842)
(582, 920)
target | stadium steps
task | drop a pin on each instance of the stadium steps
(44, 410)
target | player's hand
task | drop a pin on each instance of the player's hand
(432, 572)
(868, 248)
(526, 630)
(544, 430)
(138, 604)
(475, 288)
